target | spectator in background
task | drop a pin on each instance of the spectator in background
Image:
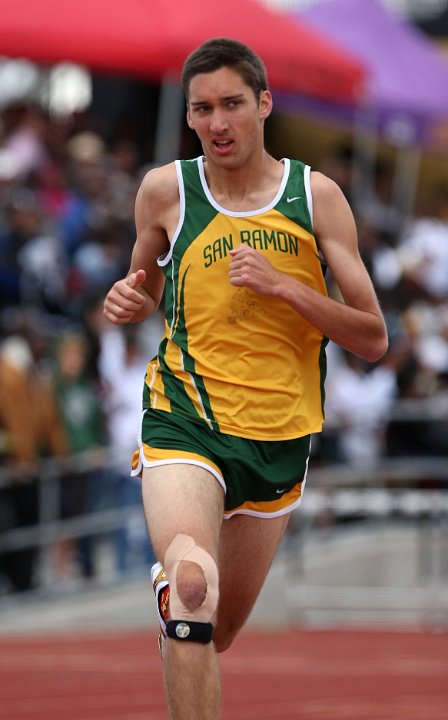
(423, 251)
(376, 204)
(83, 205)
(97, 227)
(358, 401)
(32, 264)
(31, 431)
(23, 145)
(340, 167)
(82, 422)
(123, 174)
(100, 259)
(122, 362)
(420, 427)
(427, 327)
(379, 253)
(52, 189)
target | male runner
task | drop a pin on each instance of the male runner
(238, 241)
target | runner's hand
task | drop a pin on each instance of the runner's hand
(125, 299)
(250, 268)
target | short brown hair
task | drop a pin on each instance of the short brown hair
(224, 52)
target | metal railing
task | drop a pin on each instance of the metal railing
(371, 546)
(356, 518)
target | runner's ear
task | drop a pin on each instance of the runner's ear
(265, 104)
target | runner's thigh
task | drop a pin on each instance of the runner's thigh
(182, 498)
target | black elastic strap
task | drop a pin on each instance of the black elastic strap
(191, 631)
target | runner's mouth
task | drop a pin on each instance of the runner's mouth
(223, 146)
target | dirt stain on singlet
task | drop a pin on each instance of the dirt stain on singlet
(243, 305)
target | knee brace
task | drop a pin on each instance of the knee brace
(192, 625)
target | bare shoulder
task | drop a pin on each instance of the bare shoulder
(159, 185)
(324, 189)
(157, 202)
(332, 215)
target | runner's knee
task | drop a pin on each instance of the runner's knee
(191, 585)
(193, 578)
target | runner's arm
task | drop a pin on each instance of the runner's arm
(137, 296)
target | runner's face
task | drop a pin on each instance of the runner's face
(226, 116)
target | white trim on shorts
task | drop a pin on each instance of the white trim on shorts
(143, 462)
(265, 515)
(276, 513)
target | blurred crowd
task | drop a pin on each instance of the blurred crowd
(399, 406)
(70, 384)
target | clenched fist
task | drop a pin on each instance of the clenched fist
(125, 299)
(250, 268)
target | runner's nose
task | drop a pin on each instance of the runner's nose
(218, 122)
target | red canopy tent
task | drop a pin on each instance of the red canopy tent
(151, 38)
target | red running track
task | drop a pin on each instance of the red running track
(296, 675)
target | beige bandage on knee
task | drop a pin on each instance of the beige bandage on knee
(183, 547)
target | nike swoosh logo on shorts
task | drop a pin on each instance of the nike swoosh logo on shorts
(282, 490)
(288, 199)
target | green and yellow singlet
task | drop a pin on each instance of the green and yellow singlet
(245, 364)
